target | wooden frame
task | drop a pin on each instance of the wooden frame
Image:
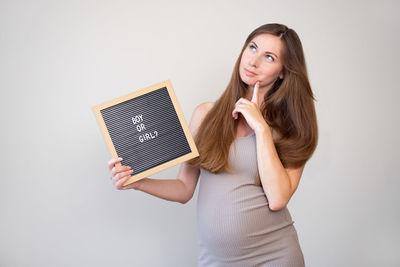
(108, 139)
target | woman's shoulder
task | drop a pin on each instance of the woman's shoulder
(204, 108)
(201, 110)
(198, 115)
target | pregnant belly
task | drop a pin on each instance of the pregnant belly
(238, 220)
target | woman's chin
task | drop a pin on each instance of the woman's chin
(249, 82)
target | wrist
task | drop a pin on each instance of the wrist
(140, 183)
(262, 128)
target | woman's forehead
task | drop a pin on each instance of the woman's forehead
(268, 43)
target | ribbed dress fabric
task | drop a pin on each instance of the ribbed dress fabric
(234, 223)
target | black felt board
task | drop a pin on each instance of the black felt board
(156, 136)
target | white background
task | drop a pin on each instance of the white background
(60, 58)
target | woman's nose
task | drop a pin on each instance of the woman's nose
(254, 61)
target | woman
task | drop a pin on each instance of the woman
(253, 142)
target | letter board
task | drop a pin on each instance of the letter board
(147, 129)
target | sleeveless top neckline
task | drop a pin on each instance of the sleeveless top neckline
(242, 137)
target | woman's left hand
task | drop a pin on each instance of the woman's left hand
(250, 110)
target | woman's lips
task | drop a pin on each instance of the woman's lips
(249, 73)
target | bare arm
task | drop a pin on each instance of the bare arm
(180, 189)
(279, 183)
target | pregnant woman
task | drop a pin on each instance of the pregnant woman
(254, 142)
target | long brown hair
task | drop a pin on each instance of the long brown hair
(288, 108)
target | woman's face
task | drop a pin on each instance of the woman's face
(261, 61)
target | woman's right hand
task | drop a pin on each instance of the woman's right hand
(120, 174)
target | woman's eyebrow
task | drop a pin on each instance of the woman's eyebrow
(266, 52)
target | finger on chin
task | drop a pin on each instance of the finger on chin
(255, 92)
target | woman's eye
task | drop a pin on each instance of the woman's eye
(269, 57)
(252, 47)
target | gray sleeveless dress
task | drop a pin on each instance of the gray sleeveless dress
(235, 225)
